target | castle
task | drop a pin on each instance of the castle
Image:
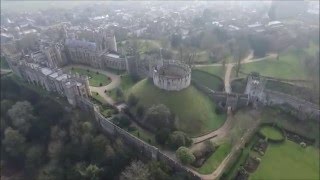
(96, 48)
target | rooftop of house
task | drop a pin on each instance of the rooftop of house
(81, 44)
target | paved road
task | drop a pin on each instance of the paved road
(115, 82)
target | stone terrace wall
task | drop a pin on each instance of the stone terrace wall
(144, 149)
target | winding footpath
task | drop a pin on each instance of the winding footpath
(220, 133)
(115, 82)
(223, 131)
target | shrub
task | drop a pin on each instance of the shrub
(122, 121)
(119, 92)
(218, 110)
(140, 111)
(100, 84)
(159, 116)
(162, 135)
(132, 100)
(185, 156)
(178, 139)
(131, 128)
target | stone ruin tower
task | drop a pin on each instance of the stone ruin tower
(172, 75)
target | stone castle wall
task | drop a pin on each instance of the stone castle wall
(171, 83)
(304, 109)
(144, 149)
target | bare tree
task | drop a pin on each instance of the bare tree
(136, 171)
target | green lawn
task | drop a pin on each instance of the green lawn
(271, 132)
(144, 135)
(94, 78)
(207, 79)
(97, 97)
(215, 159)
(196, 112)
(288, 161)
(231, 172)
(216, 70)
(126, 83)
(289, 66)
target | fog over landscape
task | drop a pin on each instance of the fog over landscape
(159, 90)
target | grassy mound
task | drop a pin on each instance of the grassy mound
(195, 111)
(94, 78)
(288, 161)
(206, 79)
(271, 133)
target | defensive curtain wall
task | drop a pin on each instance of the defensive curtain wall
(172, 76)
(144, 149)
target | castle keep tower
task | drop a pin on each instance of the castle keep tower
(172, 76)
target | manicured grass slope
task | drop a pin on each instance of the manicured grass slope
(288, 161)
(196, 112)
(271, 132)
(215, 159)
(287, 67)
(95, 79)
(207, 79)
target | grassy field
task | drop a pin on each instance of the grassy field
(215, 159)
(289, 66)
(207, 79)
(216, 70)
(94, 78)
(97, 97)
(271, 132)
(288, 161)
(195, 111)
(126, 83)
(144, 135)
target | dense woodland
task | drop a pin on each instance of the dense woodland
(42, 137)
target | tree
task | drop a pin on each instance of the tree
(162, 135)
(176, 40)
(50, 171)
(159, 116)
(260, 45)
(5, 106)
(34, 157)
(185, 156)
(240, 50)
(14, 142)
(119, 92)
(140, 111)
(54, 150)
(91, 171)
(132, 100)
(178, 139)
(21, 115)
(135, 171)
(122, 121)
